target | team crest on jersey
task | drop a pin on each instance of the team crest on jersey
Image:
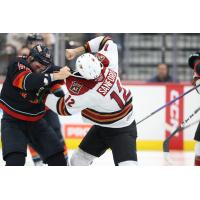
(75, 87)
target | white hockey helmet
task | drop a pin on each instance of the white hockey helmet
(88, 66)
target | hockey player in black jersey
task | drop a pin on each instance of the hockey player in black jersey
(51, 117)
(194, 63)
(22, 123)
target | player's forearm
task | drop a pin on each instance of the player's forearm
(91, 46)
(33, 81)
(61, 75)
(79, 50)
(96, 44)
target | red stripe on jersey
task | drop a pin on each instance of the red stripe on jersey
(106, 47)
(103, 59)
(107, 117)
(61, 108)
(18, 81)
(21, 116)
(55, 87)
(87, 47)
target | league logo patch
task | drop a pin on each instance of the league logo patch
(75, 87)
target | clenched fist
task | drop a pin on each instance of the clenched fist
(70, 54)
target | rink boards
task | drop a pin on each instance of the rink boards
(151, 132)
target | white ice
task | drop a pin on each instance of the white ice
(145, 158)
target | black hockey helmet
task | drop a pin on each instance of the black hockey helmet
(34, 37)
(41, 54)
(193, 58)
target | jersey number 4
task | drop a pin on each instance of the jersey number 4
(114, 95)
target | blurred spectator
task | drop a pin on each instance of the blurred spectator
(2, 40)
(24, 51)
(162, 74)
(8, 53)
(33, 39)
(19, 40)
(10, 50)
(16, 39)
(49, 39)
(38, 38)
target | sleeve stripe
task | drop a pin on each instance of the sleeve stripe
(18, 81)
(61, 108)
(24, 81)
(103, 42)
(55, 87)
(87, 48)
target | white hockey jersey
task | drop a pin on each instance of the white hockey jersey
(103, 101)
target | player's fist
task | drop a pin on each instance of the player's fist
(62, 74)
(70, 54)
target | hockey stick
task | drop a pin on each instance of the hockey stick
(180, 127)
(167, 156)
(168, 104)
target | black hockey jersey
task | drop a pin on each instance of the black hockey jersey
(19, 94)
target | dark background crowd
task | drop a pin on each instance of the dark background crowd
(142, 57)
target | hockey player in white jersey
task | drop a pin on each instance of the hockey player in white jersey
(95, 90)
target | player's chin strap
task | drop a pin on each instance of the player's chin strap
(76, 74)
